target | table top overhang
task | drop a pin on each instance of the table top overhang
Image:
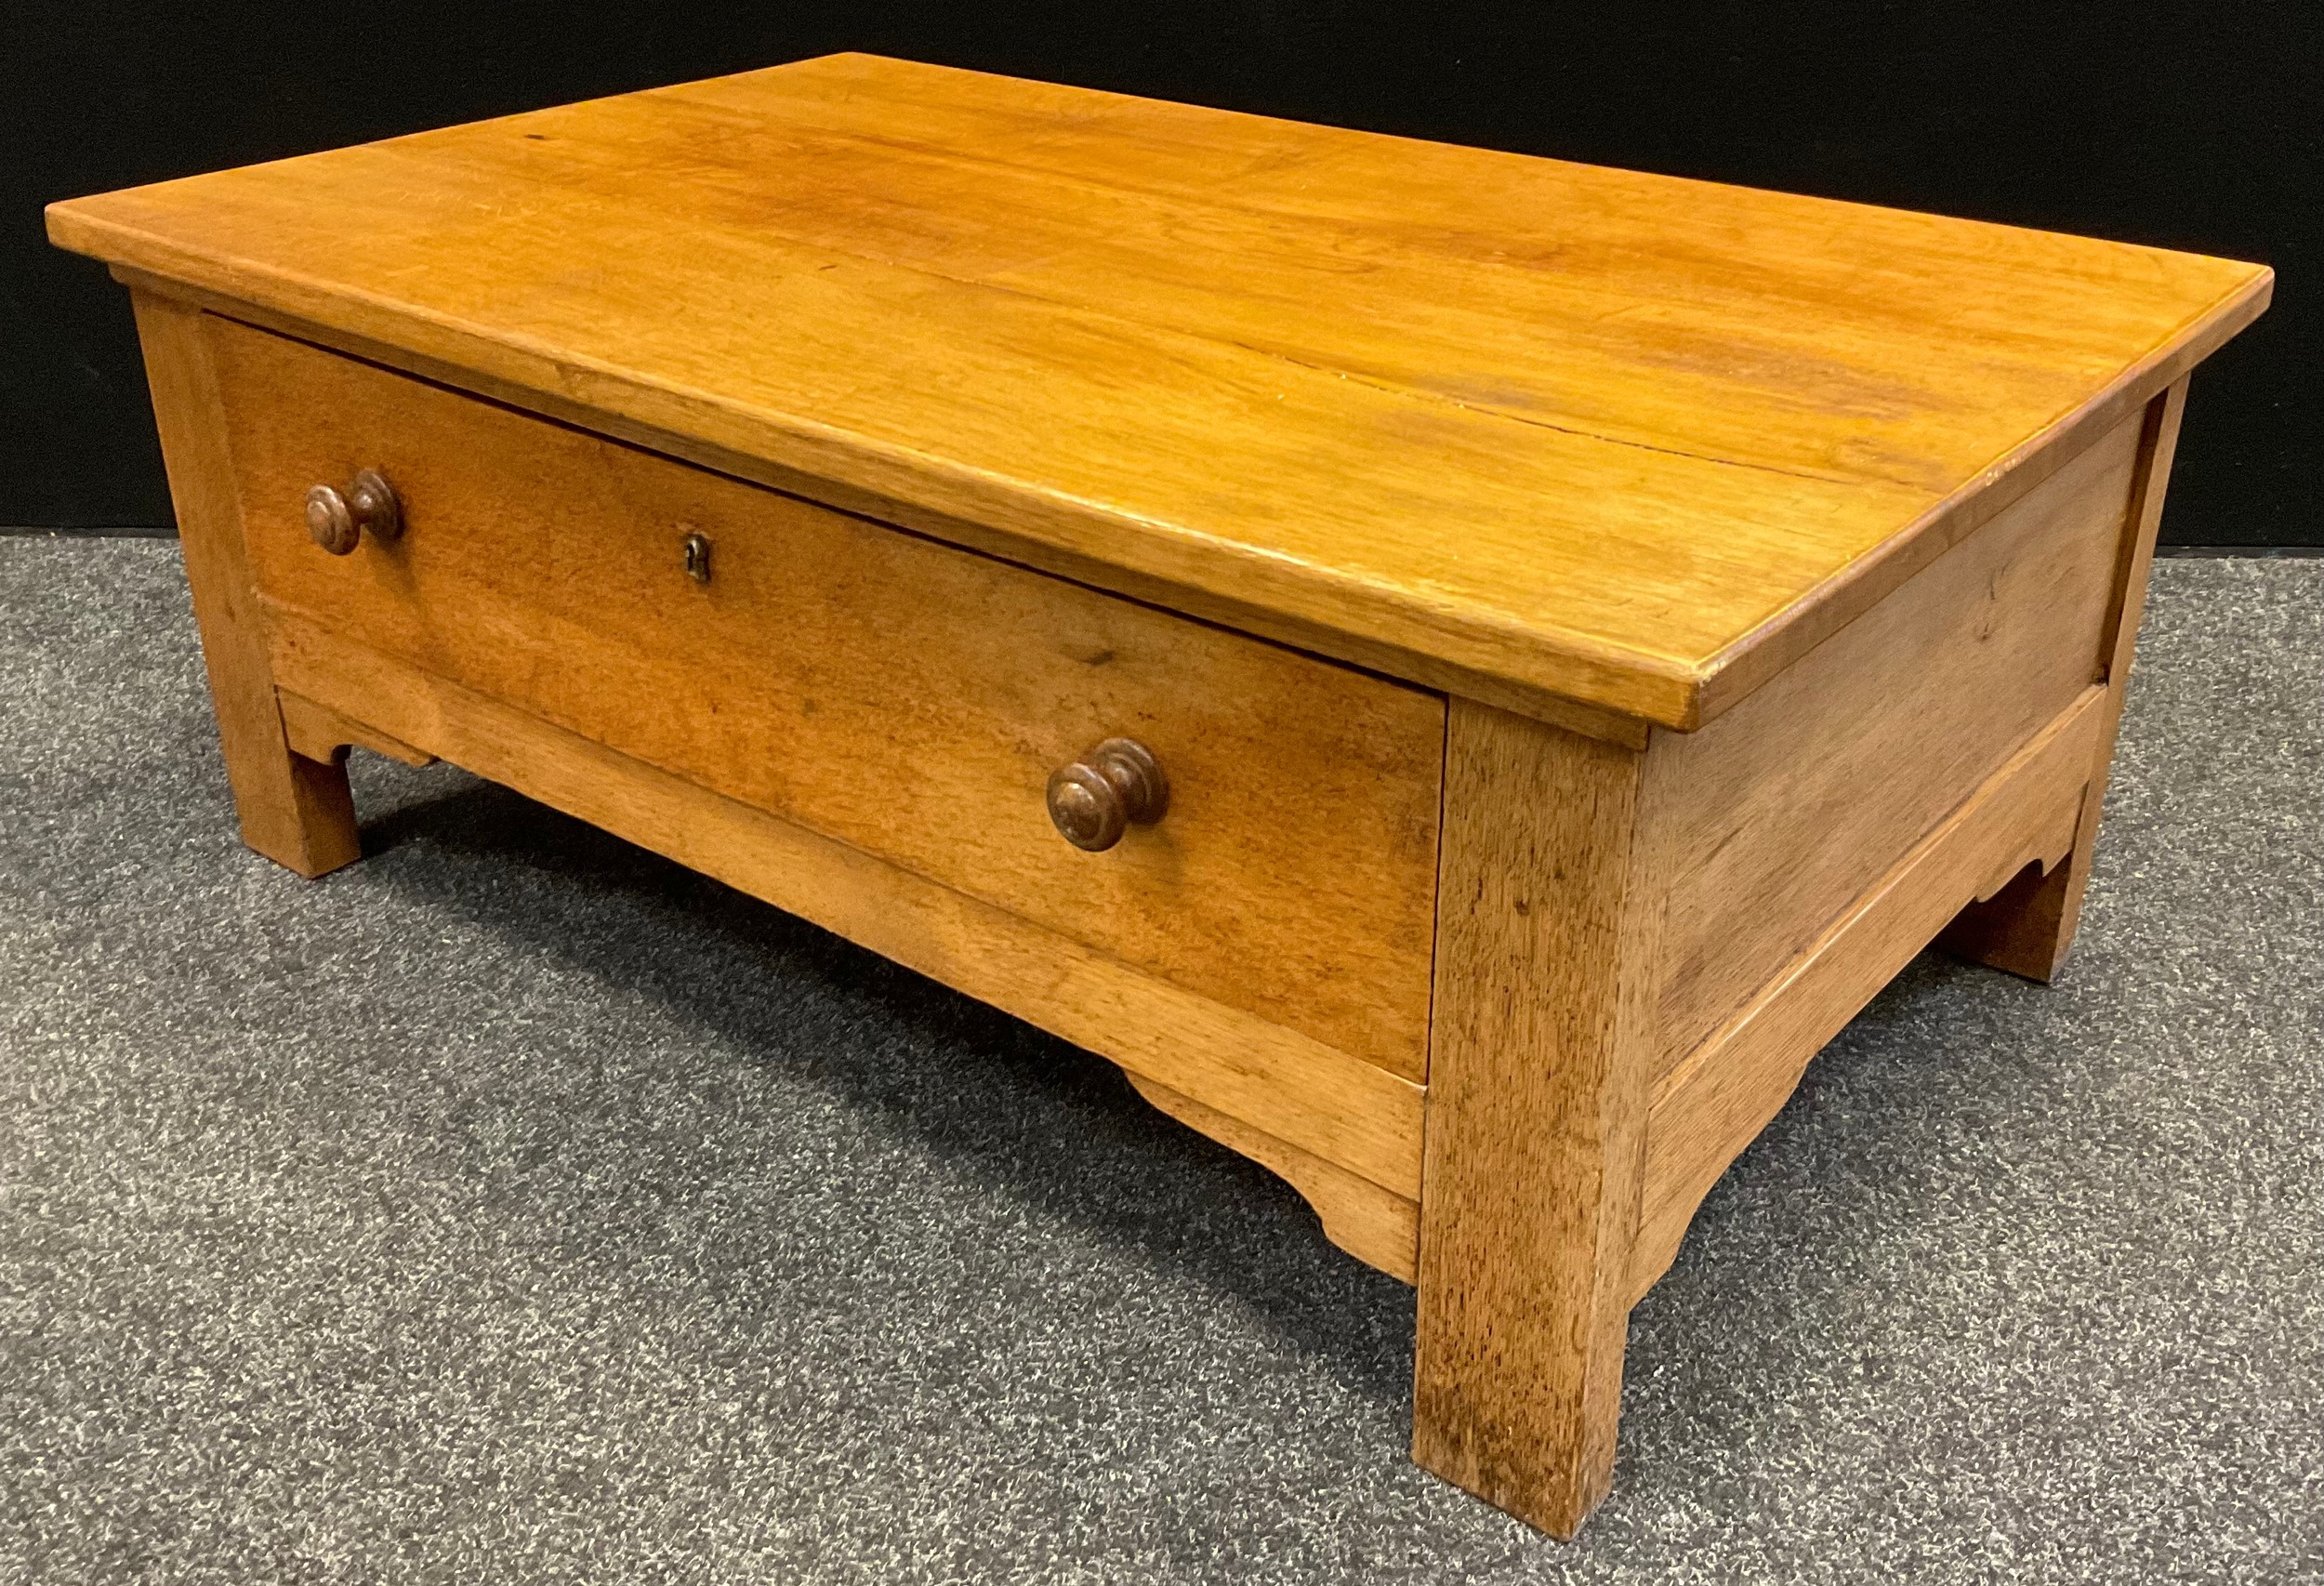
(1623, 440)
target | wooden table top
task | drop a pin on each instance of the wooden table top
(1476, 418)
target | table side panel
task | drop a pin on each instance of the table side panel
(903, 696)
(1716, 1100)
(1800, 799)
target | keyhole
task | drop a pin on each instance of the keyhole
(698, 558)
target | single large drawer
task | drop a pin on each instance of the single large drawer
(899, 695)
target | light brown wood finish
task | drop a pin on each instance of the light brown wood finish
(1548, 908)
(1374, 1225)
(1621, 439)
(1756, 884)
(1867, 498)
(1204, 605)
(1709, 1105)
(322, 734)
(1801, 797)
(1333, 1106)
(294, 810)
(2028, 927)
(901, 695)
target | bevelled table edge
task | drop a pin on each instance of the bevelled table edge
(1399, 662)
(1785, 637)
(1571, 680)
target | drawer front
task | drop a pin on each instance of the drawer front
(899, 695)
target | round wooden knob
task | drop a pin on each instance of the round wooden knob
(337, 519)
(1116, 785)
(329, 523)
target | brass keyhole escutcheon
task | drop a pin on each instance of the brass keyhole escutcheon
(1113, 787)
(697, 550)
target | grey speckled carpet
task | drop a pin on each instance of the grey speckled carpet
(517, 1207)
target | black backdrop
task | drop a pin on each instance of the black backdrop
(2191, 126)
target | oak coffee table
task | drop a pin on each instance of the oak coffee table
(1458, 671)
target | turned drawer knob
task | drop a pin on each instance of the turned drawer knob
(1116, 785)
(337, 518)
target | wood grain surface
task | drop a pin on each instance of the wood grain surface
(2027, 928)
(1713, 1101)
(1618, 439)
(1375, 1226)
(1279, 1082)
(322, 734)
(1794, 803)
(901, 695)
(295, 810)
(1549, 906)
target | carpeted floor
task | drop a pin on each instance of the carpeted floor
(516, 1207)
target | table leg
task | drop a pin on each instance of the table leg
(2028, 926)
(295, 810)
(1548, 915)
